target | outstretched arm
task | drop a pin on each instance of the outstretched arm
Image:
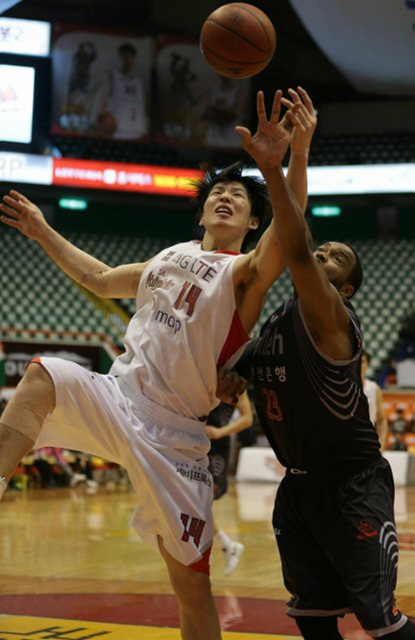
(96, 276)
(244, 420)
(324, 311)
(300, 144)
(258, 270)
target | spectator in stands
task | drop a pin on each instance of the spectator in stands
(54, 456)
(399, 443)
(222, 422)
(196, 303)
(399, 425)
(375, 398)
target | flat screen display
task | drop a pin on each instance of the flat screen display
(17, 88)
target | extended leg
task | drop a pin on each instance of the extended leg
(316, 628)
(198, 615)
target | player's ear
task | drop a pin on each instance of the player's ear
(347, 290)
(254, 222)
(202, 220)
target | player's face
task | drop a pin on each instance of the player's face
(337, 260)
(228, 207)
(127, 62)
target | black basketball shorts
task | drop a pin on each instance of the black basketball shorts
(339, 546)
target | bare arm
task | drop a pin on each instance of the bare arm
(94, 275)
(381, 420)
(244, 421)
(257, 271)
(300, 144)
(322, 305)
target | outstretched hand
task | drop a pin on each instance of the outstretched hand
(269, 144)
(22, 214)
(306, 114)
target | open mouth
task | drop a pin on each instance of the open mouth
(224, 211)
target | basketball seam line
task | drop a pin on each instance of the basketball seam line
(267, 51)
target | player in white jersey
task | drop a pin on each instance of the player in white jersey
(117, 104)
(196, 304)
(374, 396)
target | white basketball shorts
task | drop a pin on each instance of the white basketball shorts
(165, 455)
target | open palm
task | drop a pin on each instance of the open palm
(269, 144)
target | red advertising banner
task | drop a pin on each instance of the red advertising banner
(91, 174)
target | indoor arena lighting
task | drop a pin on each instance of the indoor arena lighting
(326, 211)
(73, 203)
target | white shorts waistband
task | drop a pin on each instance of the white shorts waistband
(162, 415)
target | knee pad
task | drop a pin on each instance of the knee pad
(33, 400)
(317, 628)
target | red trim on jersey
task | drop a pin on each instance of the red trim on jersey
(203, 565)
(236, 338)
(37, 360)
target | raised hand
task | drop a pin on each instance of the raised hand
(269, 144)
(306, 114)
(22, 214)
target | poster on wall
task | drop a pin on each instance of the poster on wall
(196, 106)
(101, 84)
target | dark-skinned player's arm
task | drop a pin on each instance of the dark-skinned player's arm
(96, 276)
(300, 143)
(258, 270)
(322, 305)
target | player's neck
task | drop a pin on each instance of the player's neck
(214, 243)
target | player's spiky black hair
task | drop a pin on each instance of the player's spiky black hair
(256, 188)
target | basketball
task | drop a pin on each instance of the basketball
(238, 40)
(106, 123)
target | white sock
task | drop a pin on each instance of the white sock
(3, 486)
(224, 540)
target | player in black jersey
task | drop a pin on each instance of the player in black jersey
(333, 516)
(221, 424)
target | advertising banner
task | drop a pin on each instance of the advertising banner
(101, 83)
(196, 106)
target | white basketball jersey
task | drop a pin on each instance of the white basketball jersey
(186, 325)
(370, 389)
(127, 105)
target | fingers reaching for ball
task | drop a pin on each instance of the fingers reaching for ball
(306, 119)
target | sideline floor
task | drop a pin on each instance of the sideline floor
(73, 569)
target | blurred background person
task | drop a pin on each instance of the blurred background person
(223, 421)
(118, 105)
(376, 405)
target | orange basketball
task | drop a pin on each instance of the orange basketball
(238, 40)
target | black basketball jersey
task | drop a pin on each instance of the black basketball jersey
(312, 409)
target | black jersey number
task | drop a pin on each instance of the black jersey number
(273, 408)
